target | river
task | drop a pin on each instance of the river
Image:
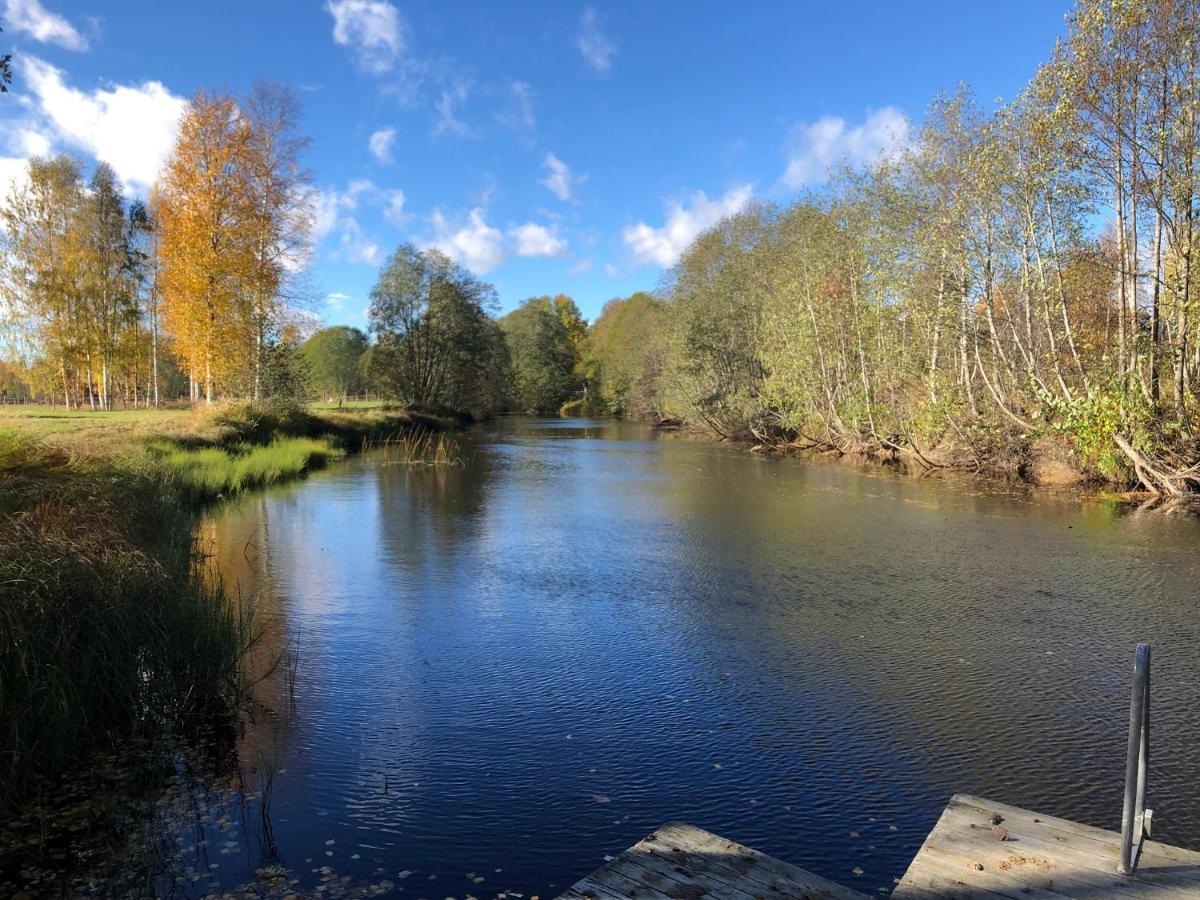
(507, 671)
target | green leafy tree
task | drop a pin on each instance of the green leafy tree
(624, 355)
(435, 344)
(332, 357)
(543, 355)
(718, 292)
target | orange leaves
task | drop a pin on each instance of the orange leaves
(227, 215)
(204, 217)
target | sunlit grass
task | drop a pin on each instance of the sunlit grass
(210, 472)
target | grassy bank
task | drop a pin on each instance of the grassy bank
(108, 631)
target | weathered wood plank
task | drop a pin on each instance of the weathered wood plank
(979, 849)
(1078, 859)
(1153, 853)
(682, 862)
(746, 862)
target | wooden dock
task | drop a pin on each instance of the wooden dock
(979, 850)
(682, 862)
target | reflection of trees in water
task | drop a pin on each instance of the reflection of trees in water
(238, 549)
(952, 636)
(428, 512)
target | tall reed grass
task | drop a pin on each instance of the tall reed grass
(419, 447)
(109, 630)
(106, 632)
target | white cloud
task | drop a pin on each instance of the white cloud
(373, 30)
(393, 207)
(33, 143)
(132, 128)
(537, 240)
(814, 149)
(380, 144)
(336, 300)
(476, 245)
(448, 122)
(559, 180)
(42, 25)
(596, 47)
(610, 270)
(354, 246)
(519, 114)
(333, 215)
(328, 207)
(13, 170)
(663, 246)
(583, 265)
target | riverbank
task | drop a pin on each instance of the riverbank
(109, 633)
(1044, 464)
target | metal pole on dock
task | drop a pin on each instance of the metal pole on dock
(1135, 818)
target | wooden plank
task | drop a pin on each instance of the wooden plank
(992, 878)
(588, 890)
(682, 862)
(610, 880)
(1042, 857)
(955, 855)
(1080, 859)
(1153, 851)
(922, 886)
(747, 862)
(680, 880)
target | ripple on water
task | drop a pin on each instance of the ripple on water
(529, 663)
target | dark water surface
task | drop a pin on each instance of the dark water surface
(515, 668)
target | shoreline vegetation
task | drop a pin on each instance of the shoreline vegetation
(1011, 291)
(110, 631)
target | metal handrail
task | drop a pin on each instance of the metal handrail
(1135, 818)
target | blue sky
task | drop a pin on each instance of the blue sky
(548, 146)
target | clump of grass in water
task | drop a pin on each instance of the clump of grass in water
(210, 472)
(419, 448)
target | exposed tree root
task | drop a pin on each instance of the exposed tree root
(1157, 476)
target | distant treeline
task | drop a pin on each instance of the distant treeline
(438, 347)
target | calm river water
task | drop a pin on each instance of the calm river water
(507, 671)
